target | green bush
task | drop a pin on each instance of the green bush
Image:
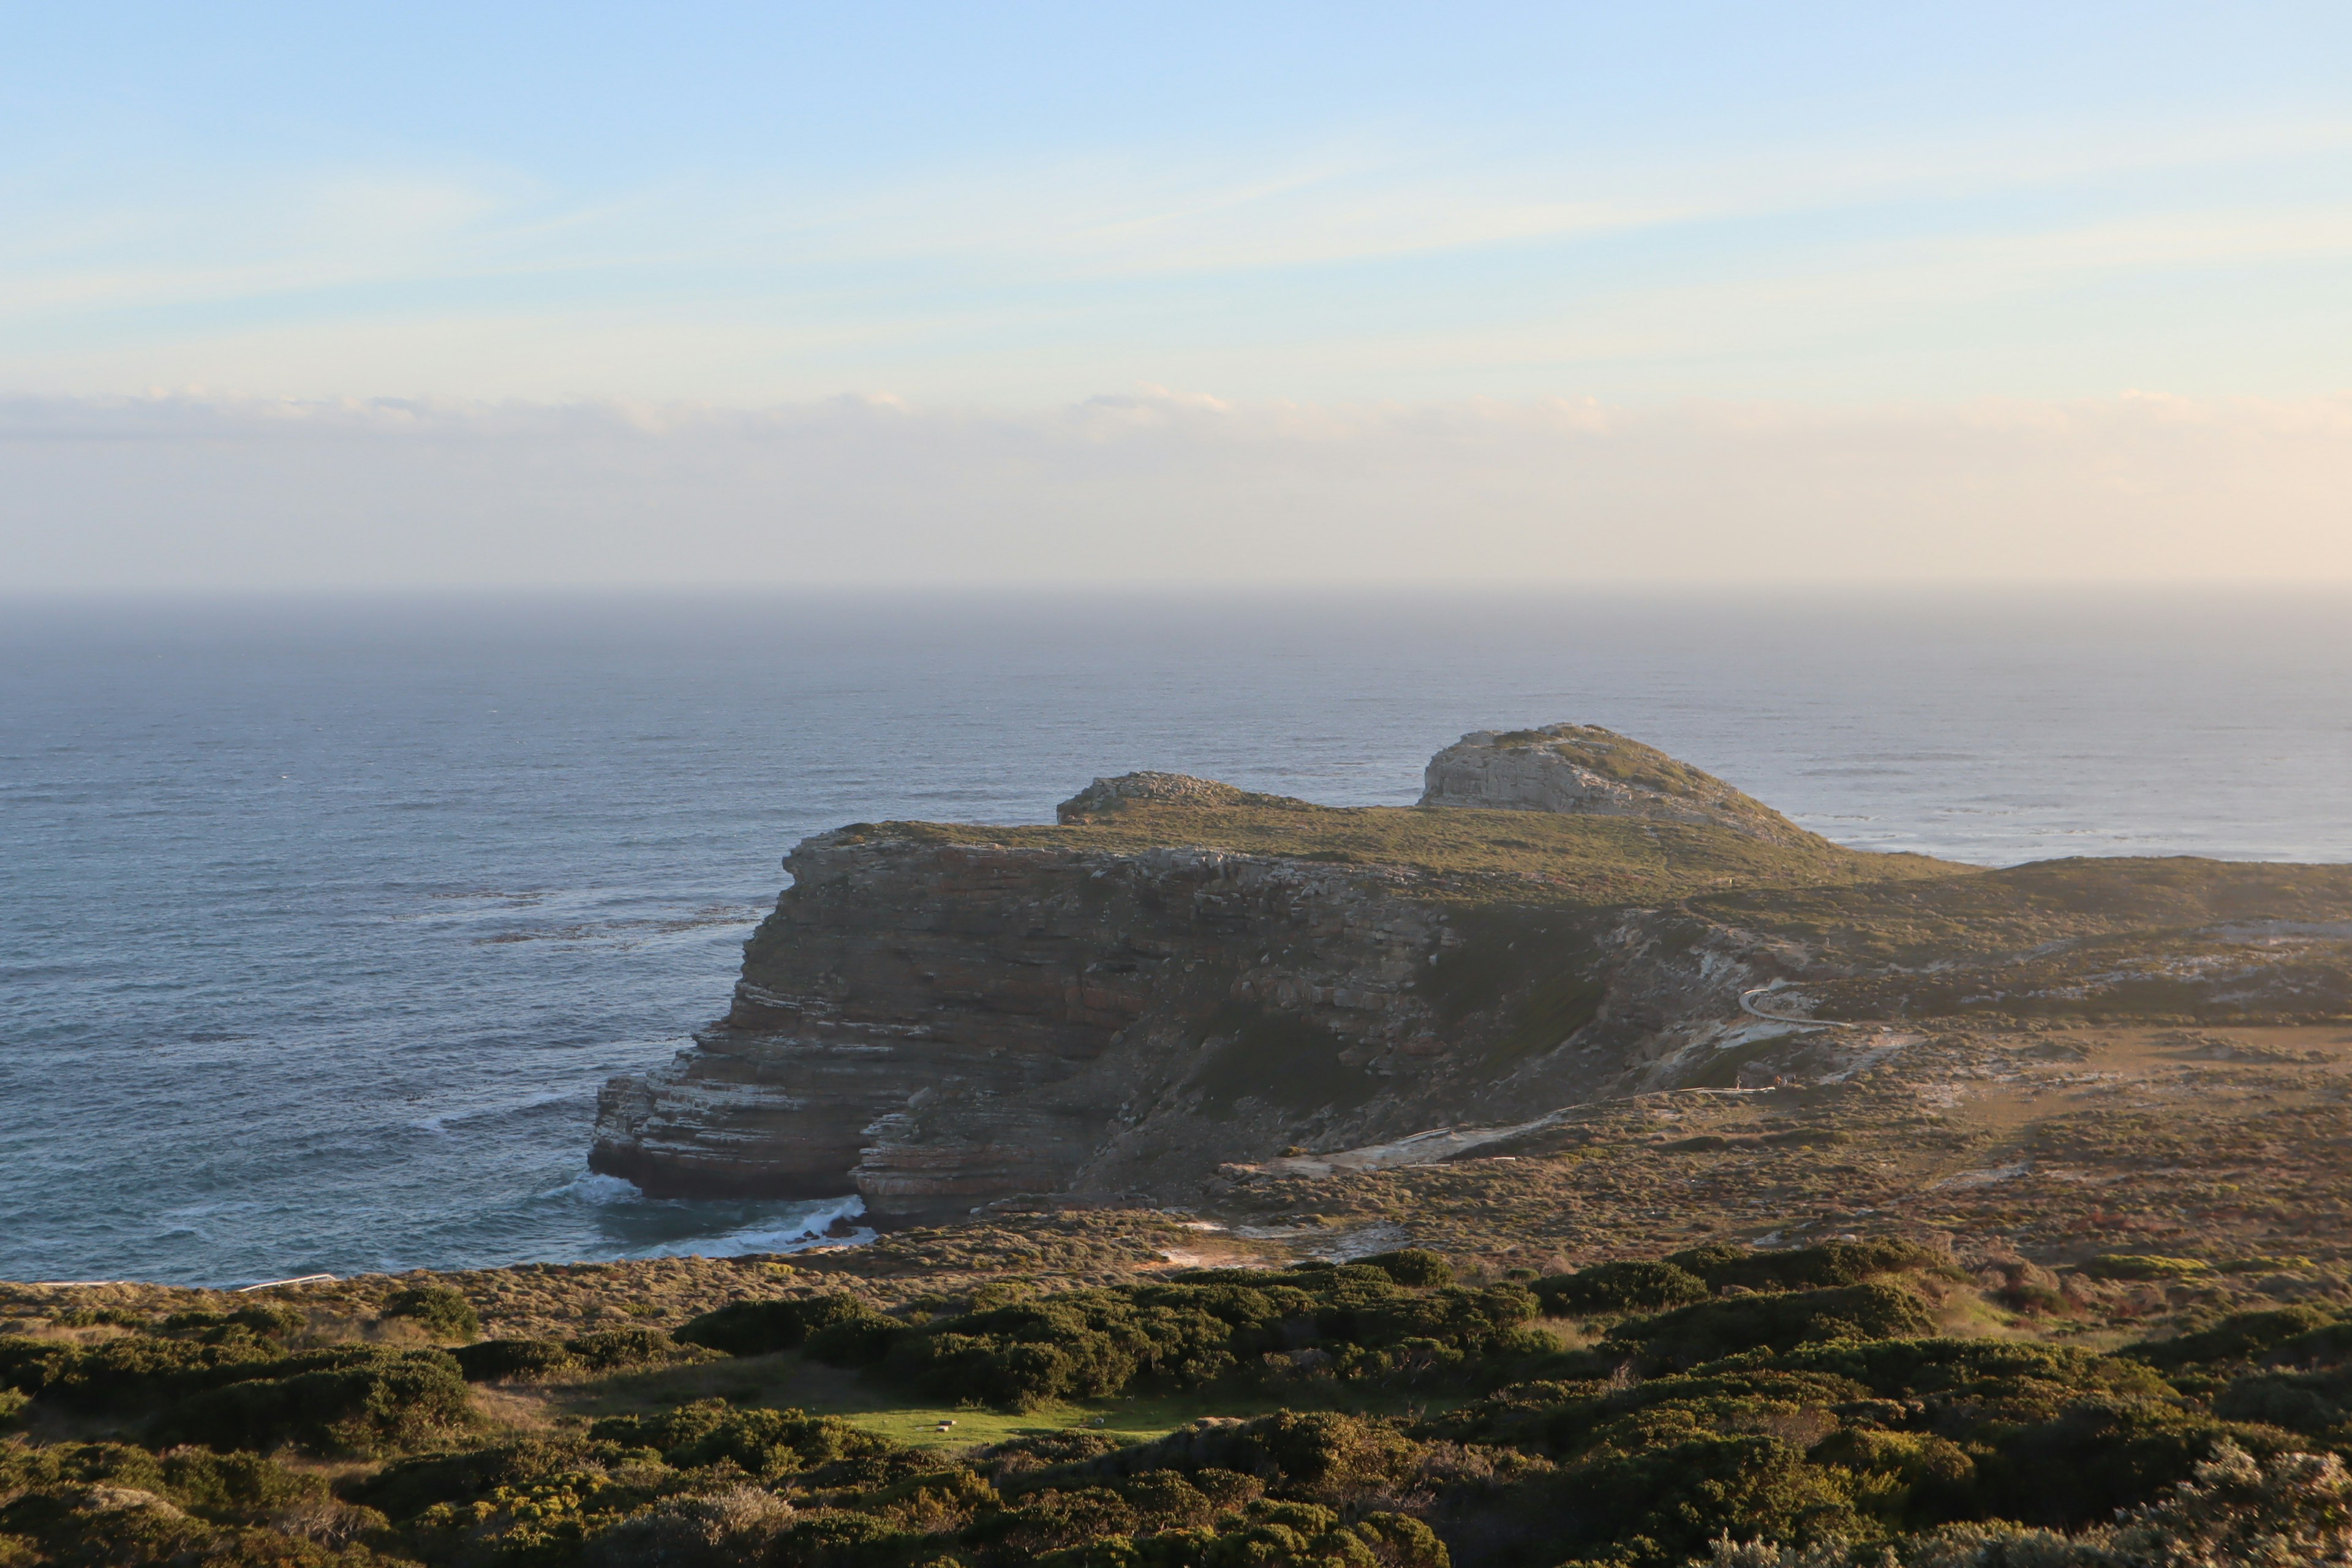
(1803, 1268)
(226, 1487)
(1319, 1456)
(439, 1311)
(1413, 1266)
(493, 1361)
(861, 1338)
(1671, 1498)
(763, 1444)
(136, 1369)
(618, 1350)
(2314, 1401)
(407, 1487)
(760, 1328)
(2145, 1266)
(2238, 1338)
(263, 1319)
(1711, 1330)
(1351, 1322)
(364, 1401)
(1628, 1286)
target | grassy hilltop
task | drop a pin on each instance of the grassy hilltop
(2048, 1260)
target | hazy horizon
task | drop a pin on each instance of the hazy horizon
(303, 300)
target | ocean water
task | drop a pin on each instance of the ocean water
(321, 921)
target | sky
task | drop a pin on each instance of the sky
(423, 295)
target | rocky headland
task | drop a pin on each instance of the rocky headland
(1179, 978)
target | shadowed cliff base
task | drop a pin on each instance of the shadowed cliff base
(1180, 976)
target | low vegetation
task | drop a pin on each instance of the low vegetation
(1586, 861)
(1721, 1404)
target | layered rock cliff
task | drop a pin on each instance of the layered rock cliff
(1180, 973)
(937, 1017)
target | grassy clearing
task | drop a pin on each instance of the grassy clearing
(789, 1381)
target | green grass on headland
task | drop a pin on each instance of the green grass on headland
(1556, 859)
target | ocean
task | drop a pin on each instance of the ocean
(322, 920)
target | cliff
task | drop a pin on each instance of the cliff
(1181, 974)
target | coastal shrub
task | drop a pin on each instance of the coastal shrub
(1270, 1535)
(762, 1443)
(1903, 1480)
(619, 1350)
(1078, 1345)
(1669, 1498)
(2100, 1453)
(761, 1328)
(1708, 1331)
(837, 1539)
(407, 1487)
(134, 1369)
(494, 1361)
(861, 1338)
(361, 1401)
(718, 1530)
(2007, 1381)
(1413, 1266)
(2243, 1337)
(438, 1310)
(1802, 1268)
(1317, 1456)
(2314, 1401)
(263, 1319)
(2144, 1265)
(1564, 1419)
(1627, 1287)
(1351, 1322)
(221, 1486)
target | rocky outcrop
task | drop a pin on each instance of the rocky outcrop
(1582, 769)
(938, 1023)
(1106, 795)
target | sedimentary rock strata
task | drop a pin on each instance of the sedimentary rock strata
(936, 1017)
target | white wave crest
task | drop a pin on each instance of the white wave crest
(589, 1187)
(794, 1233)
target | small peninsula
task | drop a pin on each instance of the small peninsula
(1583, 1168)
(1180, 976)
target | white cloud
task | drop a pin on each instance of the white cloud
(209, 492)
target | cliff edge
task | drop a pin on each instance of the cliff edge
(1179, 975)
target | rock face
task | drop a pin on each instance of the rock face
(942, 1025)
(939, 1024)
(1586, 769)
(936, 1017)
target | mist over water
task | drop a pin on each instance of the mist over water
(321, 921)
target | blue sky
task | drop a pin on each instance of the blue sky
(338, 295)
(1028, 205)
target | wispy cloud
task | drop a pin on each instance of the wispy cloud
(1163, 257)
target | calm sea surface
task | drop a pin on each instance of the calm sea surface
(320, 923)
